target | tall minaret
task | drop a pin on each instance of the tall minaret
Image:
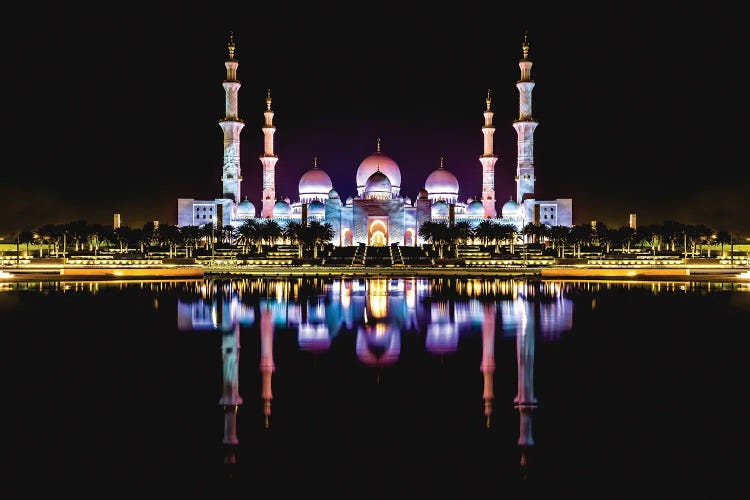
(269, 161)
(488, 160)
(231, 124)
(525, 126)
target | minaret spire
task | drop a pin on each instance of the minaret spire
(268, 160)
(525, 125)
(231, 125)
(488, 160)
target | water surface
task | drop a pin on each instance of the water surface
(374, 388)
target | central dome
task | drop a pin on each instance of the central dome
(378, 186)
(314, 184)
(373, 163)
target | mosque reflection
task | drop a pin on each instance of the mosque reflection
(380, 312)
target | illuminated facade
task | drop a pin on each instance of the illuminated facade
(378, 214)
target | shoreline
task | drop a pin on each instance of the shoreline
(564, 273)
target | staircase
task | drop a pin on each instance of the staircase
(397, 259)
(360, 256)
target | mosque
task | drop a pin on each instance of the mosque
(378, 214)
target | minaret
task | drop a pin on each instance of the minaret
(488, 160)
(269, 161)
(488, 359)
(525, 126)
(231, 124)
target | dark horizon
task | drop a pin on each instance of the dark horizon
(119, 112)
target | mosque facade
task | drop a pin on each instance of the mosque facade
(378, 214)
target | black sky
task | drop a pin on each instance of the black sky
(640, 109)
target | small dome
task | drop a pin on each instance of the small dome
(511, 209)
(314, 183)
(246, 209)
(441, 183)
(475, 208)
(407, 201)
(440, 208)
(379, 161)
(422, 194)
(349, 200)
(281, 208)
(378, 185)
(316, 208)
(333, 195)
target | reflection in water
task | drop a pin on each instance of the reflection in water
(381, 313)
(230, 397)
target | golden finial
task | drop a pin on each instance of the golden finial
(441, 162)
(268, 100)
(525, 45)
(315, 162)
(378, 150)
(230, 45)
(489, 101)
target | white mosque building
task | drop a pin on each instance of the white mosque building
(377, 214)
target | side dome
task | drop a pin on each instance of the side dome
(475, 208)
(316, 209)
(333, 195)
(422, 194)
(378, 186)
(379, 161)
(442, 184)
(511, 209)
(314, 184)
(281, 209)
(440, 209)
(245, 209)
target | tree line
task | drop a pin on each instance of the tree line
(312, 236)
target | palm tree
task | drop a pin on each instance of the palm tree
(559, 236)
(269, 230)
(296, 233)
(581, 234)
(485, 231)
(507, 232)
(320, 233)
(249, 234)
(723, 237)
(25, 237)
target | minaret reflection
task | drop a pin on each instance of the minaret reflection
(525, 401)
(488, 359)
(230, 398)
(267, 366)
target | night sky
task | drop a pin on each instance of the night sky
(116, 110)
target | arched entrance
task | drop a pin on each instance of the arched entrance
(409, 238)
(346, 237)
(377, 232)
